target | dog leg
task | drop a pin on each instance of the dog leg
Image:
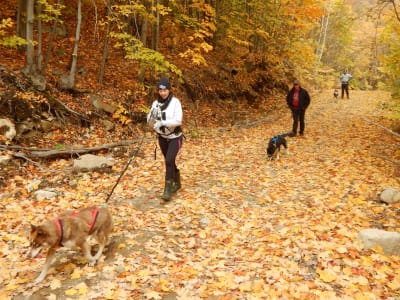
(49, 259)
(99, 252)
(101, 238)
(86, 251)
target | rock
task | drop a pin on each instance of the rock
(390, 195)
(4, 160)
(90, 162)
(108, 125)
(389, 241)
(33, 185)
(41, 194)
(101, 105)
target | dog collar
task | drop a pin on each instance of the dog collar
(60, 231)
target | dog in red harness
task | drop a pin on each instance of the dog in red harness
(71, 229)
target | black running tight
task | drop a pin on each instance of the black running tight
(170, 149)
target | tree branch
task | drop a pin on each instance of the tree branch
(379, 125)
(395, 9)
(397, 163)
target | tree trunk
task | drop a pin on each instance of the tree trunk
(30, 50)
(21, 25)
(106, 44)
(143, 28)
(71, 77)
(157, 31)
(39, 50)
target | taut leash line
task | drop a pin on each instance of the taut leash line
(124, 170)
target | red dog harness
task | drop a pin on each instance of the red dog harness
(58, 221)
(60, 231)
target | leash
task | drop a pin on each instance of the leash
(124, 170)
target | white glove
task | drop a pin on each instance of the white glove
(154, 113)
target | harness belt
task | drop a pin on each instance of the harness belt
(60, 231)
(58, 221)
(95, 213)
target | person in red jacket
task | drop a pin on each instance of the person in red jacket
(298, 100)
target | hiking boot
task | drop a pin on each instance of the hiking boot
(177, 182)
(292, 134)
(167, 190)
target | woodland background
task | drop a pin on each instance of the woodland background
(217, 53)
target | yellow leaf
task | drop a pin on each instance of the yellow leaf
(110, 295)
(246, 286)
(341, 249)
(82, 288)
(76, 274)
(11, 287)
(163, 285)
(360, 280)
(121, 246)
(152, 295)
(70, 292)
(143, 273)
(202, 234)
(327, 275)
(363, 296)
(55, 284)
(395, 283)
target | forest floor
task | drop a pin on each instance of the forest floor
(242, 227)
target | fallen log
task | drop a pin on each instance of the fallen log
(381, 126)
(52, 153)
(397, 163)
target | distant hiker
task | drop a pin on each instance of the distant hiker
(344, 79)
(298, 100)
(165, 117)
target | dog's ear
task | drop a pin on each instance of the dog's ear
(33, 228)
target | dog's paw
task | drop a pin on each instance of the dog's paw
(92, 262)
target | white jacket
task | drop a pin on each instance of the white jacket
(164, 122)
(345, 78)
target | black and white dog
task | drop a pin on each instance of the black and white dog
(336, 93)
(274, 146)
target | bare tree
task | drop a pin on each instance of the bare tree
(30, 49)
(21, 26)
(106, 45)
(68, 82)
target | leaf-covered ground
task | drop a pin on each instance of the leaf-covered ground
(241, 228)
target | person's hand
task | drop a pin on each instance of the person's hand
(157, 125)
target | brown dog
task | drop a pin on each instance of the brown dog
(71, 230)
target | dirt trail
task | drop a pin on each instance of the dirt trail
(246, 228)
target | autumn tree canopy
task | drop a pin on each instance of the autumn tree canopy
(207, 46)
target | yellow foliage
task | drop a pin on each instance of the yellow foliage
(327, 275)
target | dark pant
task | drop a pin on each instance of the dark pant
(170, 149)
(345, 88)
(298, 116)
